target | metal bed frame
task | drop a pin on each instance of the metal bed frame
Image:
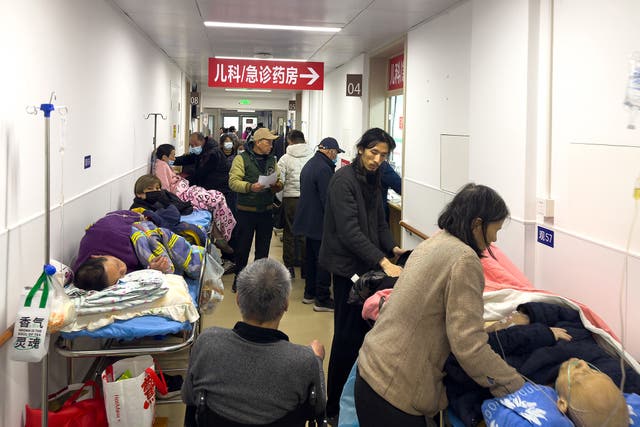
(113, 348)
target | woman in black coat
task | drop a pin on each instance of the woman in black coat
(356, 239)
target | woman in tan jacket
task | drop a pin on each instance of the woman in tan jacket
(436, 309)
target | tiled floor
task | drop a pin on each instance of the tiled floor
(300, 323)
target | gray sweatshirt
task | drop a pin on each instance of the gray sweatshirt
(252, 375)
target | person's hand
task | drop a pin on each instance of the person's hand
(160, 263)
(256, 187)
(560, 334)
(317, 348)
(389, 268)
(277, 187)
(397, 251)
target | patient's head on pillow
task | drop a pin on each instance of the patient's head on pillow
(99, 272)
(589, 397)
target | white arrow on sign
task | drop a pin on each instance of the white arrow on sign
(313, 76)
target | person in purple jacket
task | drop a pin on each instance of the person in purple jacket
(106, 248)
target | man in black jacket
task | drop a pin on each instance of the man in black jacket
(356, 239)
(314, 182)
(208, 161)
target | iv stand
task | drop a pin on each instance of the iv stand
(155, 125)
(46, 109)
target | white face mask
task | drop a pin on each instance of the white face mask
(228, 145)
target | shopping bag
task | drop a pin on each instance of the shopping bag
(85, 408)
(30, 342)
(212, 291)
(129, 387)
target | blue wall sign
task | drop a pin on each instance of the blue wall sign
(545, 236)
(87, 162)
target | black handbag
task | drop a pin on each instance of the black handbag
(278, 213)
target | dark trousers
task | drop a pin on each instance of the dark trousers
(349, 330)
(374, 411)
(317, 280)
(292, 246)
(249, 223)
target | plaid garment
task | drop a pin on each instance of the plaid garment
(151, 242)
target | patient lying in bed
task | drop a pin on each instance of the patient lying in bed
(583, 397)
(122, 241)
(536, 340)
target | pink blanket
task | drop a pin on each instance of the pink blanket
(499, 273)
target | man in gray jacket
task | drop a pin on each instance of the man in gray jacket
(252, 374)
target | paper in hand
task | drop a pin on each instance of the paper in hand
(267, 180)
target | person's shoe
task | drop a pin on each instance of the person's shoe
(332, 421)
(174, 385)
(324, 306)
(223, 245)
(292, 272)
(228, 266)
(308, 299)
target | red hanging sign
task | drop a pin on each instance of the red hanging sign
(258, 74)
(396, 72)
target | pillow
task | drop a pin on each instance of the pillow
(532, 405)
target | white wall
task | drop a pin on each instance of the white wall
(437, 66)
(341, 116)
(535, 131)
(109, 76)
(595, 160)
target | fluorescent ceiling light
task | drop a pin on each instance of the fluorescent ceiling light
(245, 111)
(260, 59)
(248, 90)
(271, 27)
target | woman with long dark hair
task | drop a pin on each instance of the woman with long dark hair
(356, 239)
(436, 309)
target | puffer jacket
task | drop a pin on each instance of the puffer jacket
(290, 166)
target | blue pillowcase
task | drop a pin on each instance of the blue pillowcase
(535, 405)
(532, 405)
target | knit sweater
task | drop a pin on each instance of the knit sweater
(436, 309)
(252, 375)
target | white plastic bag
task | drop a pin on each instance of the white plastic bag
(30, 342)
(212, 291)
(131, 402)
(62, 311)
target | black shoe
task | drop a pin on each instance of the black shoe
(228, 266)
(292, 272)
(308, 299)
(174, 385)
(324, 306)
(223, 245)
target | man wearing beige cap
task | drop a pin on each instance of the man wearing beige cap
(255, 199)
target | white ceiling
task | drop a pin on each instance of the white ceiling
(176, 26)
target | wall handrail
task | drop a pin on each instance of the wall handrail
(6, 335)
(412, 229)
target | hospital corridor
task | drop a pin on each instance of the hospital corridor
(327, 213)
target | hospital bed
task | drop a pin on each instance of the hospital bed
(144, 335)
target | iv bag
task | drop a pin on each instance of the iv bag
(632, 95)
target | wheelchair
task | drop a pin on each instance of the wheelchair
(200, 415)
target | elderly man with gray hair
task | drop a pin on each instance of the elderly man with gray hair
(252, 374)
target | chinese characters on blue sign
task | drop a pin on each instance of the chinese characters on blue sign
(545, 236)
